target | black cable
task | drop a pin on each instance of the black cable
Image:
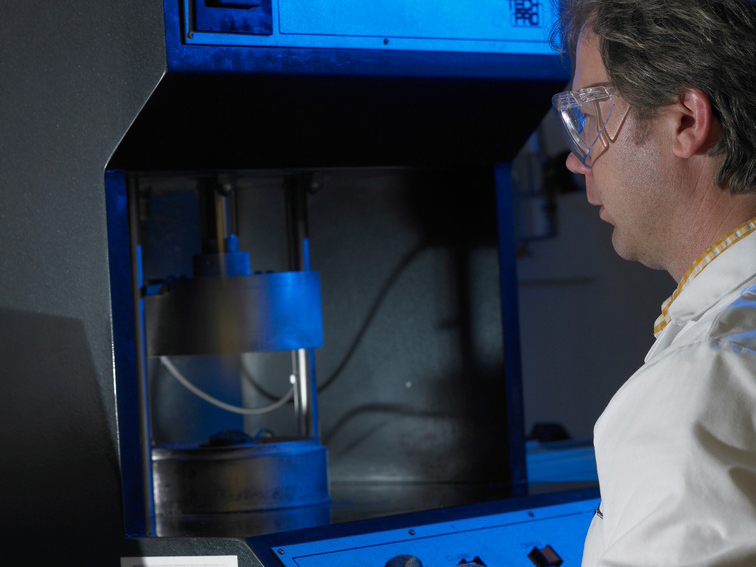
(385, 288)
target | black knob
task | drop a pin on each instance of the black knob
(404, 561)
(476, 562)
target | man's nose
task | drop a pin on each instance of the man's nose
(575, 165)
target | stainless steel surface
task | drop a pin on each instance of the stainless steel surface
(266, 475)
(350, 502)
(242, 524)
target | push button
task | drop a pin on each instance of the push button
(545, 557)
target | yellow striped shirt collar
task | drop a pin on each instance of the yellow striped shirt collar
(701, 262)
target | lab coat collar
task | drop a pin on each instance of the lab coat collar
(728, 272)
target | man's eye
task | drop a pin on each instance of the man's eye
(584, 121)
(581, 120)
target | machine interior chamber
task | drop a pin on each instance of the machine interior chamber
(411, 382)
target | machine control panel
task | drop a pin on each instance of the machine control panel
(548, 536)
(483, 26)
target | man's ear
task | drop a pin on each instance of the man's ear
(696, 129)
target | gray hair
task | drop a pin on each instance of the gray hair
(655, 49)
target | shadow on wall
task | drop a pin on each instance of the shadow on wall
(60, 473)
(411, 375)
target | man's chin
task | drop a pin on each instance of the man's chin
(623, 249)
(632, 254)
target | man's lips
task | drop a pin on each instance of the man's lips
(602, 210)
(604, 216)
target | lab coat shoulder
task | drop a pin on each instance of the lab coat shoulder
(677, 453)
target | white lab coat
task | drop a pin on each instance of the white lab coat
(676, 446)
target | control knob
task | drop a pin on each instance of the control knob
(404, 561)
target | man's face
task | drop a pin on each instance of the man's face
(628, 176)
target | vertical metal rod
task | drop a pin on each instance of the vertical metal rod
(224, 191)
(303, 394)
(221, 220)
(305, 390)
(511, 330)
(141, 357)
(223, 206)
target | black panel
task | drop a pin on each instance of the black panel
(274, 121)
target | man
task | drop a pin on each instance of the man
(662, 124)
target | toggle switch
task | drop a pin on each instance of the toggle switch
(545, 557)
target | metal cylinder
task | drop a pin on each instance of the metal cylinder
(223, 315)
(263, 475)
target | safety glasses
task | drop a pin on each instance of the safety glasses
(591, 118)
